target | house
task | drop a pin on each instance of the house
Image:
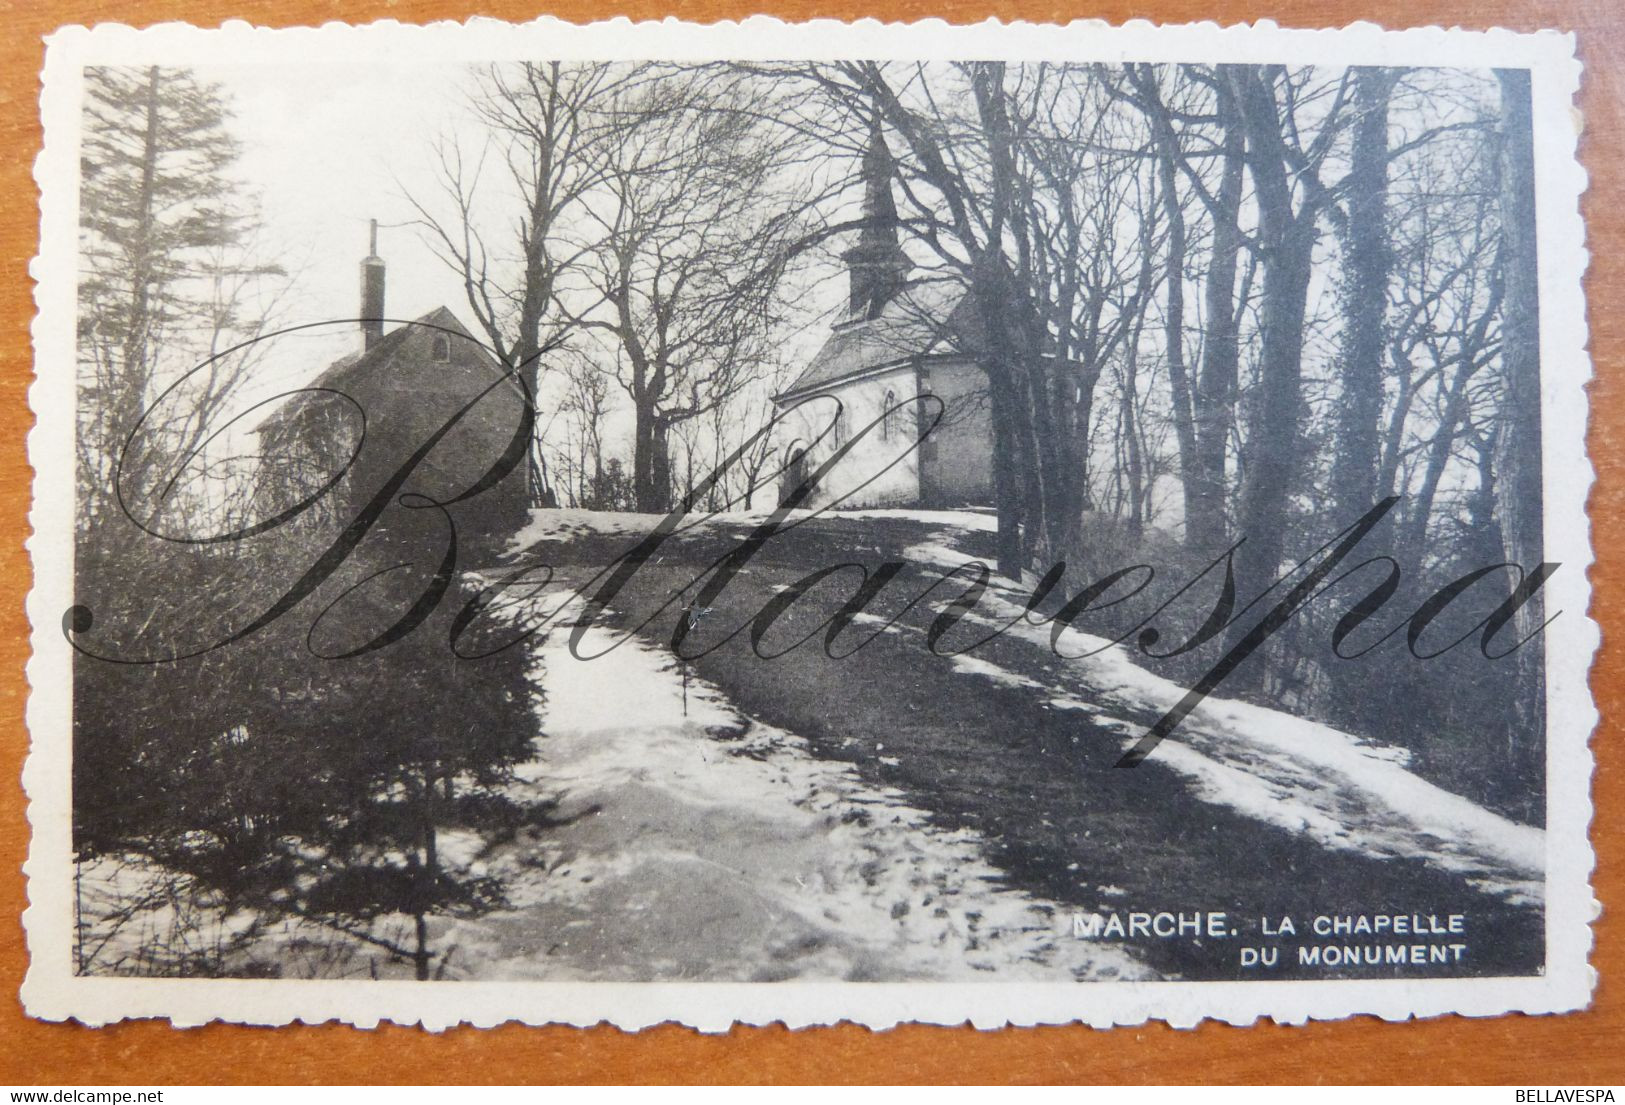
(380, 406)
(898, 339)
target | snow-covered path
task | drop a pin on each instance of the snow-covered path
(1245, 810)
(700, 844)
(1299, 774)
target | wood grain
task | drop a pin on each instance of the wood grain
(1579, 1048)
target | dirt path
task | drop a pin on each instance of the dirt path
(695, 843)
(983, 743)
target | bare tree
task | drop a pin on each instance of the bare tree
(1450, 281)
(1291, 200)
(684, 244)
(1198, 134)
(1169, 158)
(585, 407)
(1356, 463)
(544, 130)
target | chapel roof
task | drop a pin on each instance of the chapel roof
(922, 320)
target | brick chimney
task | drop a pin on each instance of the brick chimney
(372, 293)
(877, 264)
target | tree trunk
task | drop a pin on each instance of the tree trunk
(1131, 439)
(1174, 313)
(1413, 539)
(133, 352)
(1518, 452)
(660, 481)
(1216, 391)
(651, 472)
(1020, 490)
(1015, 443)
(1008, 496)
(1287, 241)
(1457, 405)
(1357, 458)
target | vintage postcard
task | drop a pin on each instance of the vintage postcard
(762, 522)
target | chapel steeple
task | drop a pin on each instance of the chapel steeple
(877, 264)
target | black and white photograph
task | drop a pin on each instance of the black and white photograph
(974, 525)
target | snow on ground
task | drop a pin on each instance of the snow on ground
(702, 845)
(564, 523)
(699, 844)
(1269, 764)
(1273, 766)
(975, 520)
(695, 844)
(966, 664)
(136, 917)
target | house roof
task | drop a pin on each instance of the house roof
(920, 321)
(351, 366)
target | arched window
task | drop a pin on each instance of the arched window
(440, 348)
(888, 419)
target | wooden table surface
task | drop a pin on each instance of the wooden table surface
(1576, 1049)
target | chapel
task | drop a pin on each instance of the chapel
(900, 336)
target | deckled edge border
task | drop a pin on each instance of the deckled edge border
(51, 992)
